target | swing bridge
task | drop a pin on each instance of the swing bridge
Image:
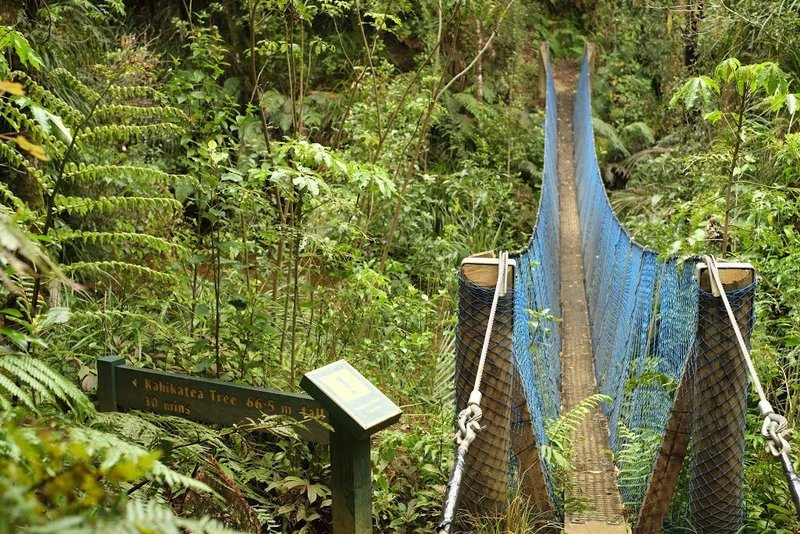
(586, 311)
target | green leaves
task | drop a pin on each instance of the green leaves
(25, 378)
(746, 81)
(11, 39)
(702, 87)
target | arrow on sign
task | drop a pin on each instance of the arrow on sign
(133, 382)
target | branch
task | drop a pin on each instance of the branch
(477, 58)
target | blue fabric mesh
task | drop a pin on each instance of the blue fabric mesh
(537, 339)
(642, 310)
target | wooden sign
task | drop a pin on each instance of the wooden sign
(200, 399)
(357, 410)
(352, 401)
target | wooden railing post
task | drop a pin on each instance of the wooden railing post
(710, 407)
(486, 478)
(532, 483)
(716, 486)
(591, 58)
(668, 464)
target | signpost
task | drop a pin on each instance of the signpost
(341, 396)
(357, 410)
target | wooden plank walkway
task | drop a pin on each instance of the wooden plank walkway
(595, 478)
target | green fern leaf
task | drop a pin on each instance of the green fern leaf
(107, 267)
(84, 205)
(119, 133)
(119, 238)
(45, 97)
(85, 92)
(127, 112)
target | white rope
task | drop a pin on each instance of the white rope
(498, 289)
(469, 418)
(775, 428)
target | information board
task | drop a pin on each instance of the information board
(350, 399)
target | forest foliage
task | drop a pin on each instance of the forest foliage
(250, 189)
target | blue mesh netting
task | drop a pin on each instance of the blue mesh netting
(642, 310)
(537, 339)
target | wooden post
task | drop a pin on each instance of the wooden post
(107, 382)
(719, 390)
(351, 485)
(668, 464)
(357, 409)
(544, 55)
(532, 483)
(486, 478)
(591, 58)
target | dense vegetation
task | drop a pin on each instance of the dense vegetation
(249, 189)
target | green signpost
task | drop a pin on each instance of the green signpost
(341, 396)
(357, 409)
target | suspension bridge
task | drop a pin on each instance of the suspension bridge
(596, 378)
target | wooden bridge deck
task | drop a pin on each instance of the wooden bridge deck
(594, 481)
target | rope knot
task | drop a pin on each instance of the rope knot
(776, 430)
(468, 425)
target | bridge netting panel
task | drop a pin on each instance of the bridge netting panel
(651, 324)
(653, 329)
(526, 334)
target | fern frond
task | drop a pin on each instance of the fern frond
(468, 102)
(444, 377)
(562, 430)
(84, 205)
(118, 315)
(101, 172)
(125, 133)
(634, 461)
(14, 391)
(119, 238)
(132, 92)
(116, 447)
(88, 94)
(46, 382)
(608, 132)
(18, 161)
(153, 516)
(20, 207)
(105, 268)
(23, 376)
(20, 122)
(46, 97)
(127, 112)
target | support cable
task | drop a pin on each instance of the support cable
(468, 422)
(775, 429)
